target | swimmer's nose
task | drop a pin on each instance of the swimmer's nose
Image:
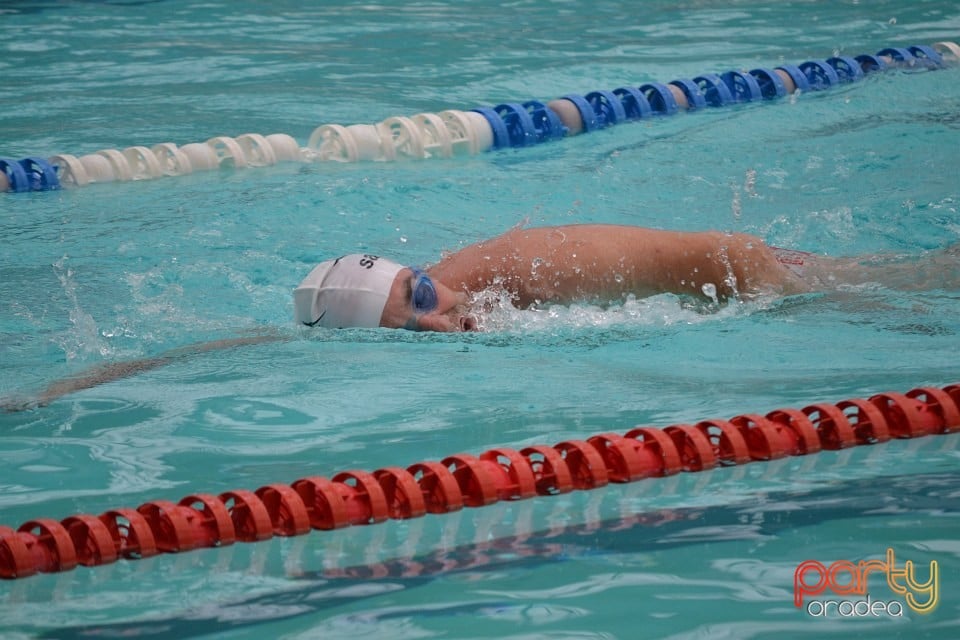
(468, 323)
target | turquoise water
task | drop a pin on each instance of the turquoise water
(115, 272)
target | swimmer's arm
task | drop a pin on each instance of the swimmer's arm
(111, 371)
(608, 261)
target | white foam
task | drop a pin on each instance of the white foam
(496, 313)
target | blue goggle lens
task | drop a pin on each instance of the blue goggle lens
(424, 296)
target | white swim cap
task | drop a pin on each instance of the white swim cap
(350, 291)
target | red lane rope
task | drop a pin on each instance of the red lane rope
(354, 497)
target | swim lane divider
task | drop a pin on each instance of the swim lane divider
(358, 498)
(453, 132)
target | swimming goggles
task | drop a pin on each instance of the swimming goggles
(423, 295)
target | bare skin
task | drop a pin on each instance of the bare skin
(606, 263)
(592, 262)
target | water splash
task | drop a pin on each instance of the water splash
(710, 290)
(83, 340)
(496, 312)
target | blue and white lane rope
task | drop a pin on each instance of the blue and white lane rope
(456, 133)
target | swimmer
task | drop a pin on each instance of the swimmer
(593, 263)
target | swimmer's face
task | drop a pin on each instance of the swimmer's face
(419, 303)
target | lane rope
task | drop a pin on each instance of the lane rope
(355, 497)
(454, 132)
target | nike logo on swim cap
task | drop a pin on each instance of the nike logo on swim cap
(314, 323)
(317, 321)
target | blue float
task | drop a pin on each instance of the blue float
(743, 86)
(819, 74)
(848, 69)
(870, 63)
(42, 176)
(926, 55)
(715, 91)
(501, 137)
(897, 53)
(635, 104)
(520, 128)
(545, 121)
(695, 99)
(16, 176)
(587, 114)
(660, 98)
(798, 77)
(769, 82)
(607, 106)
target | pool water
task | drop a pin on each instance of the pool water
(115, 272)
